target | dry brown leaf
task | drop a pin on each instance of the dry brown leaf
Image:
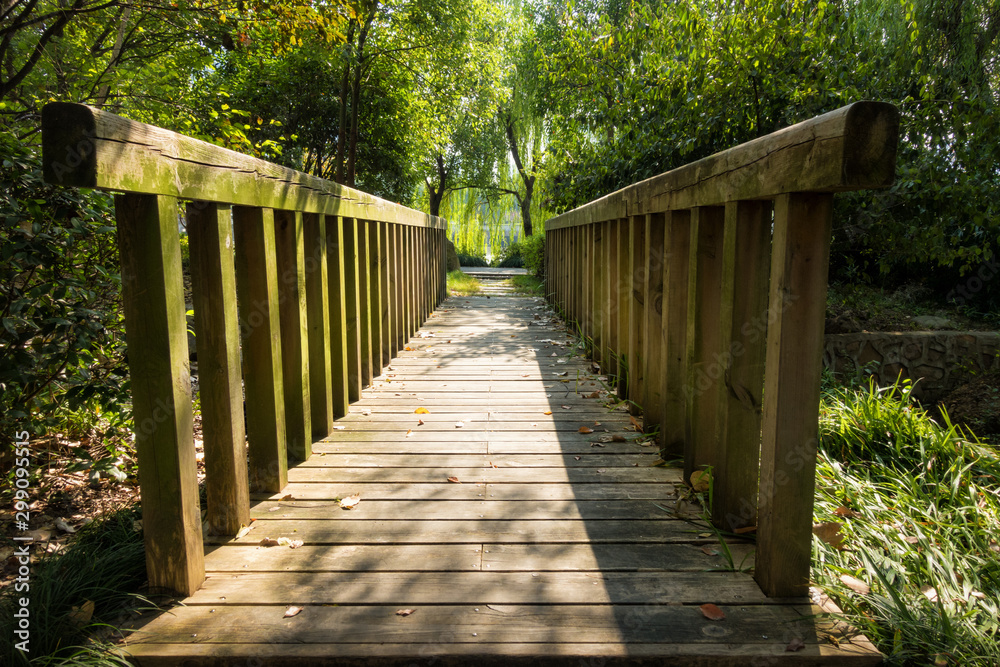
(597, 444)
(745, 529)
(657, 463)
(795, 645)
(409, 433)
(80, 616)
(350, 502)
(855, 584)
(710, 551)
(711, 612)
(635, 423)
(404, 612)
(454, 480)
(567, 407)
(292, 611)
(847, 512)
(420, 422)
(618, 438)
(268, 542)
(829, 532)
(421, 411)
(596, 394)
(287, 496)
(586, 429)
(408, 348)
(700, 480)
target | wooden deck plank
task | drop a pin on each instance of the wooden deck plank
(557, 547)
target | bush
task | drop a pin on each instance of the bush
(510, 257)
(471, 260)
(62, 332)
(533, 254)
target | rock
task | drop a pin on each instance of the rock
(453, 264)
(932, 322)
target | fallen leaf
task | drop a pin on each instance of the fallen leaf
(420, 422)
(454, 480)
(745, 529)
(795, 645)
(847, 512)
(929, 592)
(404, 612)
(830, 533)
(618, 438)
(586, 429)
(711, 612)
(350, 502)
(911, 539)
(577, 458)
(596, 394)
(700, 480)
(710, 551)
(339, 427)
(63, 526)
(287, 496)
(547, 412)
(635, 423)
(421, 411)
(408, 348)
(367, 412)
(292, 611)
(295, 544)
(855, 584)
(268, 542)
(459, 424)
(243, 531)
(659, 462)
(409, 433)
(597, 444)
(566, 407)
(80, 616)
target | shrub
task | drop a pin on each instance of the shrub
(533, 254)
(472, 260)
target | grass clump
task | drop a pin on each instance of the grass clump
(919, 508)
(525, 285)
(76, 593)
(462, 284)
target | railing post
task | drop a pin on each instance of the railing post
(799, 266)
(675, 309)
(336, 252)
(318, 318)
(705, 356)
(398, 289)
(216, 323)
(153, 297)
(652, 397)
(352, 305)
(290, 256)
(624, 306)
(613, 304)
(743, 328)
(385, 303)
(638, 256)
(364, 301)
(600, 277)
(257, 297)
(375, 288)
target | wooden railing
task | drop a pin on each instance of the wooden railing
(702, 292)
(303, 290)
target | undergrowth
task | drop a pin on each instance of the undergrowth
(77, 595)
(462, 284)
(918, 505)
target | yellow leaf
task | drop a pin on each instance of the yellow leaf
(700, 480)
(421, 411)
(350, 502)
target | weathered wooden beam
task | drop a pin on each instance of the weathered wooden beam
(385, 304)
(86, 147)
(705, 358)
(339, 339)
(675, 309)
(637, 359)
(292, 308)
(153, 298)
(654, 337)
(352, 308)
(317, 273)
(743, 320)
(852, 148)
(216, 324)
(260, 330)
(799, 265)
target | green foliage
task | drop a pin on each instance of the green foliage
(533, 254)
(105, 565)
(510, 256)
(62, 337)
(472, 260)
(919, 505)
(462, 284)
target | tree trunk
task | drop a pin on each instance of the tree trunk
(352, 149)
(436, 195)
(527, 179)
(342, 127)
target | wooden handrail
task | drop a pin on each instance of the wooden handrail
(303, 291)
(702, 292)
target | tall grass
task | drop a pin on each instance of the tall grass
(104, 566)
(919, 505)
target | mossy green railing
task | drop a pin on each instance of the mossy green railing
(703, 291)
(303, 290)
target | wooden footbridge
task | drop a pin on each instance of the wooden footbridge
(467, 483)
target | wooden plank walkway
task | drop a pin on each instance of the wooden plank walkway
(554, 547)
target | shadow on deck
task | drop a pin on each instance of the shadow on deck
(556, 547)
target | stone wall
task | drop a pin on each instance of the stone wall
(943, 360)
